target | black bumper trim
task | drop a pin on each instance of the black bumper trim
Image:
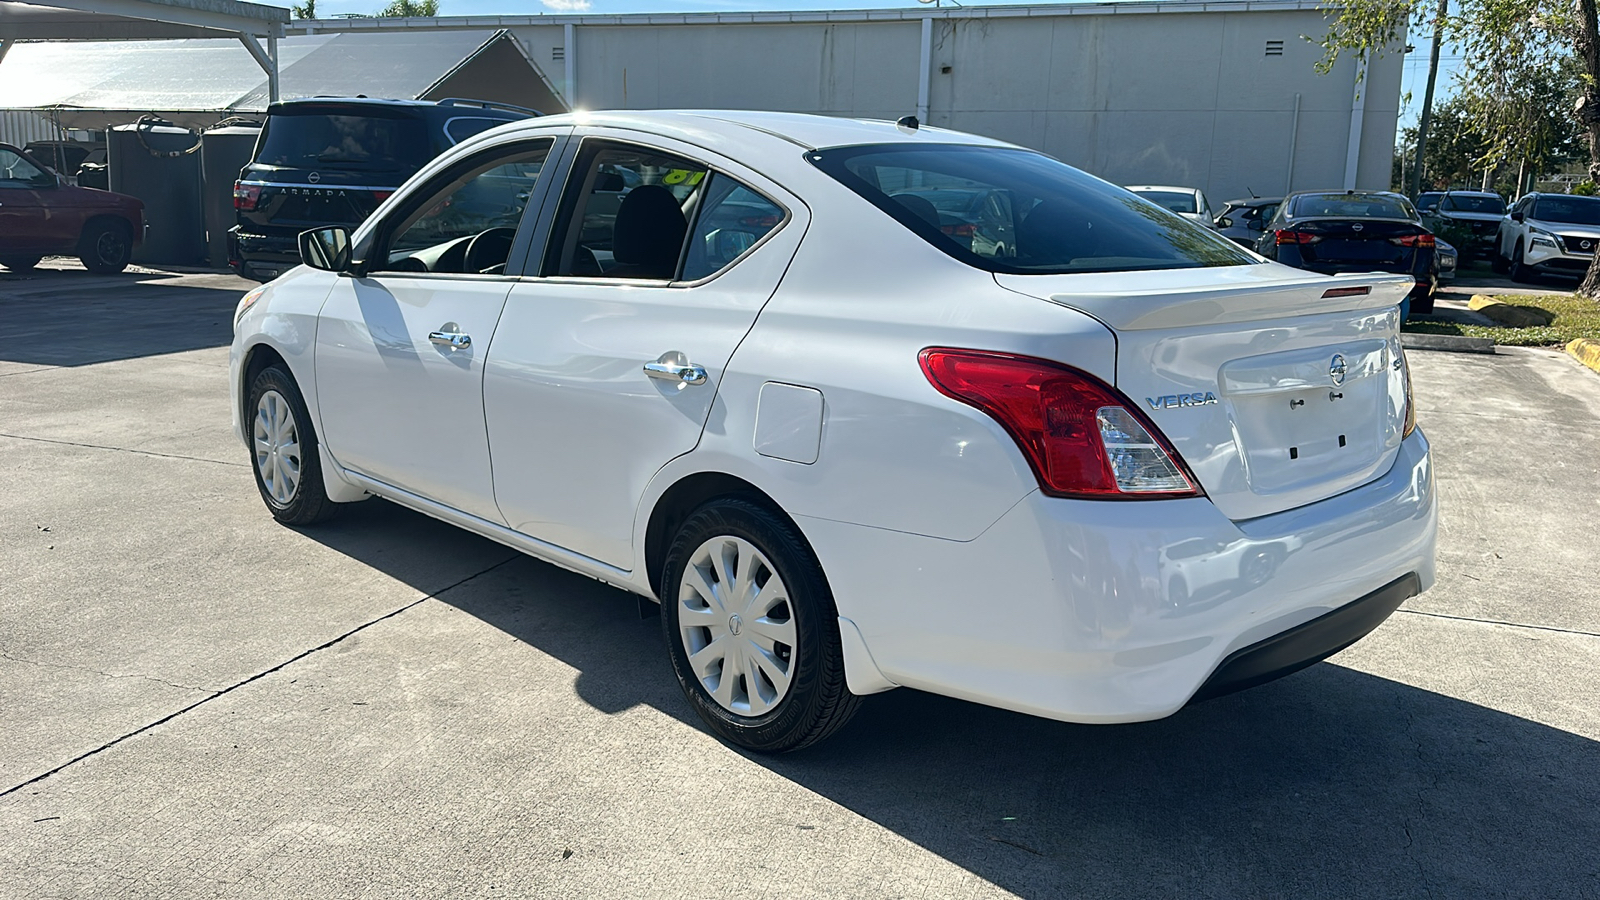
(1309, 643)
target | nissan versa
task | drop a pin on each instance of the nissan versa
(733, 362)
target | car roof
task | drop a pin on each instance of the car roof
(1475, 193)
(1163, 187)
(811, 132)
(1253, 201)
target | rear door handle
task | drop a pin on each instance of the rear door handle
(675, 367)
(452, 339)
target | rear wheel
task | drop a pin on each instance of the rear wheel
(1520, 271)
(106, 247)
(752, 629)
(20, 263)
(283, 447)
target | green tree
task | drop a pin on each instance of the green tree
(307, 11)
(1510, 47)
(411, 8)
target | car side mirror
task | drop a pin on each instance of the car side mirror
(1224, 222)
(327, 249)
(1516, 217)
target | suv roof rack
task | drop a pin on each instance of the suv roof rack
(488, 104)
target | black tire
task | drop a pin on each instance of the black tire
(1497, 262)
(306, 501)
(106, 246)
(1521, 272)
(20, 263)
(817, 701)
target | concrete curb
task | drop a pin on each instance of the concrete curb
(1448, 343)
(1506, 314)
(1585, 351)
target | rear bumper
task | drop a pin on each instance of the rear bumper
(1107, 612)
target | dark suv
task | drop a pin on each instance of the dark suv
(331, 161)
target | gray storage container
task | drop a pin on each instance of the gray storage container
(223, 152)
(150, 162)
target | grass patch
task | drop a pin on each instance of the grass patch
(1576, 317)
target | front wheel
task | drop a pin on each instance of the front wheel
(283, 447)
(752, 630)
(1520, 271)
(106, 247)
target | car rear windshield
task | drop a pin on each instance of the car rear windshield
(1173, 200)
(1469, 203)
(326, 140)
(1574, 210)
(1352, 206)
(1029, 215)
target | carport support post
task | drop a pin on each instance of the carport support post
(267, 59)
(569, 55)
(923, 73)
(1358, 112)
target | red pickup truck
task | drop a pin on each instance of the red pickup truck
(40, 215)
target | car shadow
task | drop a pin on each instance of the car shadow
(62, 317)
(1330, 782)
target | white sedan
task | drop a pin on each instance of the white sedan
(731, 362)
(1191, 203)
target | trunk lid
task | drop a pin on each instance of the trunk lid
(1278, 387)
(1372, 241)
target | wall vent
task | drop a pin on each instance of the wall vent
(1274, 48)
(560, 53)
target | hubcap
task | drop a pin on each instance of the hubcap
(737, 626)
(109, 247)
(277, 444)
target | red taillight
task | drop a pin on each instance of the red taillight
(1415, 240)
(246, 196)
(1295, 237)
(1081, 437)
(966, 231)
(381, 196)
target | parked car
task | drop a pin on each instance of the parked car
(1355, 231)
(331, 161)
(1548, 234)
(1428, 201)
(66, 157)
(1447, 257)
(1191, 203)
(984, 217)
(1468, 219)
(41, 215)
(845, 450)
(1243, 221)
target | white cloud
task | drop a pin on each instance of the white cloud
(567, 5)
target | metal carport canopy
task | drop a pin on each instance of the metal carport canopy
(88, 20)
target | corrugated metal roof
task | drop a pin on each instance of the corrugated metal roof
(205, 75)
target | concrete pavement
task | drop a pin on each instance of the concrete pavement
(197, 702)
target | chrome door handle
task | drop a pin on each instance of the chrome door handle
(450, 339)
(674, 366)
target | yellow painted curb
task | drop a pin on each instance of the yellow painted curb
(1585, 351)
(1506, 314)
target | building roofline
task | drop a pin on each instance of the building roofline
(855, 16)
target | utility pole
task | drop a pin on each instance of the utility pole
(1427, 97)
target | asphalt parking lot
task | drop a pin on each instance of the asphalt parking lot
(197, 702)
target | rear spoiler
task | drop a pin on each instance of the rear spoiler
(489, 104)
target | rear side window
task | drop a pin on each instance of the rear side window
(1027, 213)
(731, 221)
(626, 213)
(324, 140)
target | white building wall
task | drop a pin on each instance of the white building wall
(1155, 93)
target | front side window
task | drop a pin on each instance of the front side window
(626, 213)
(1048, 218)
(1573, 210)
(466, 222)
(17, 172)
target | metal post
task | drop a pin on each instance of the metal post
(1294, 138)
(5, 47)
(569, 53)
(272, 73)
(923, 71)
(1358, 112)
